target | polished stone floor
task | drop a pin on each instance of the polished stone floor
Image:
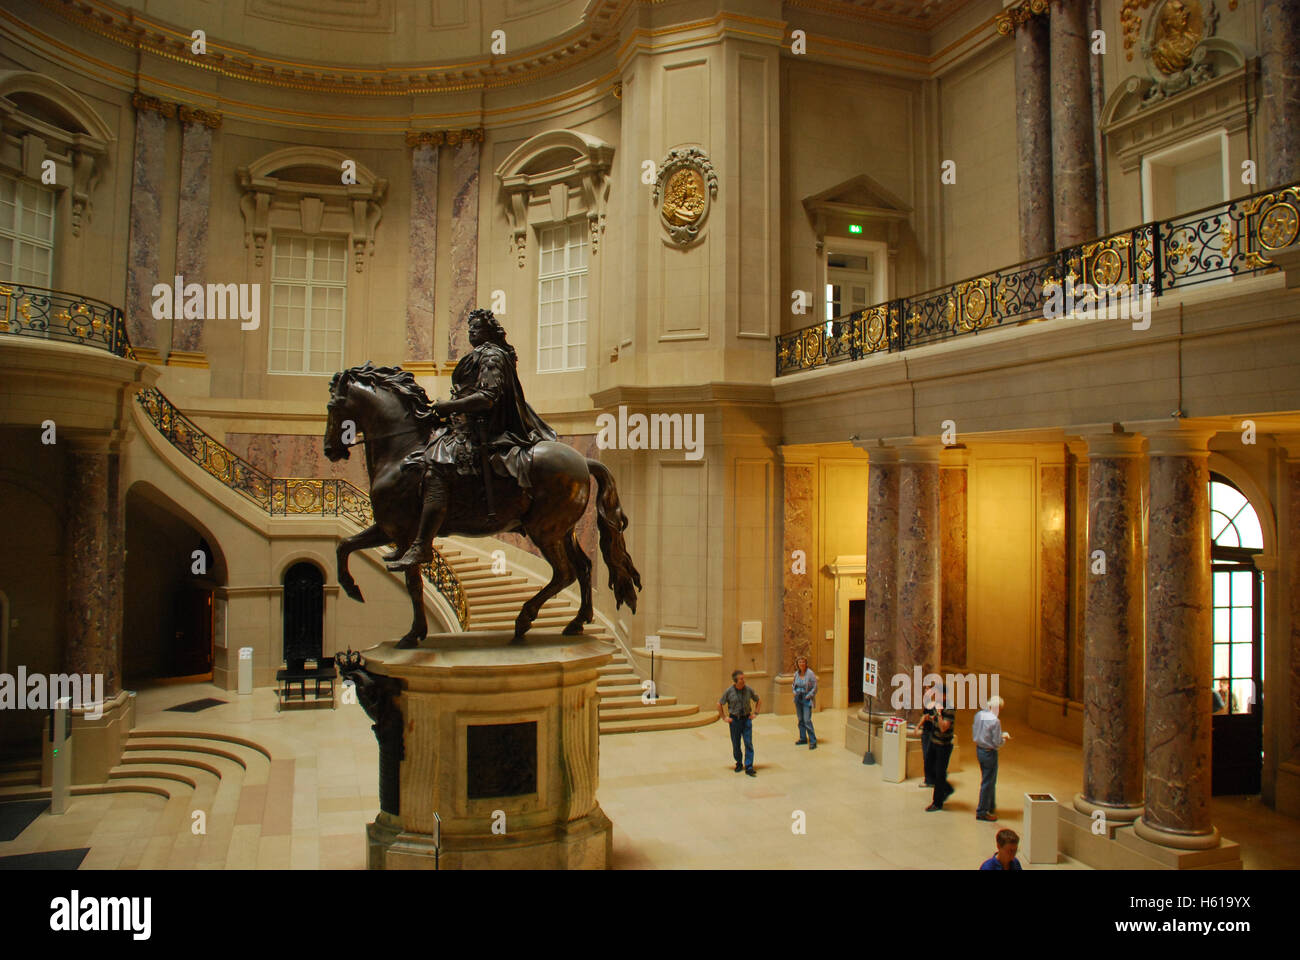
(672, 795)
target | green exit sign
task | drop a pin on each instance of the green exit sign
(855, 228)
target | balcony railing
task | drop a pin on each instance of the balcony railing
(51, 315)
(54, 315)
(1223, 240)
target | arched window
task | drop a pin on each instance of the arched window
(304, 614)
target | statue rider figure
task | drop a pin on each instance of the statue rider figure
(485, 428)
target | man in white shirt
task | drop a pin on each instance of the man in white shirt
(988, 738)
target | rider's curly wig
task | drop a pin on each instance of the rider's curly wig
(496, 332)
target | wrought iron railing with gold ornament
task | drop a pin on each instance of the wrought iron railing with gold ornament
(284, 496)
(28, 311)
(1214, 243)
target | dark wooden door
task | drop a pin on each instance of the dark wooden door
(304, 613)
(1237, 739)
(192, 643)
(857, 641)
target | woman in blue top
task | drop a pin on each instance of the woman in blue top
(805, 688)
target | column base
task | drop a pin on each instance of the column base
(1179, 841)
(97, 742)
(1118, 813)
(1119, 847)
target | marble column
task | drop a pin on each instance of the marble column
(1076, 522)
(464, 244)
(1074, 184)
(1179, 674)
(192, 227)
(1113, 630)
(953, 479)
(1279, 54)
(422, 261)
(89, 572)
(881, 605)
(918, 558)
(1291, 540)
(142, 263)
(1033, 128)
(798, 535)
(1053, 629)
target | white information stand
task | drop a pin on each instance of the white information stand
(893, 750)
(60, 756)
(1039, 844)
(245, 671)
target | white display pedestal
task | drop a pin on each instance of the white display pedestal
(245, 671)
(893, 750)
(1039, 843)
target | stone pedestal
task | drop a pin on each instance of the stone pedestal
(500, 740)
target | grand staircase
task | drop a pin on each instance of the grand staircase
(494, 600)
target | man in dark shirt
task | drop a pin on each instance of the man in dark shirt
(940, 720)
(1005, 858)
(737, 698)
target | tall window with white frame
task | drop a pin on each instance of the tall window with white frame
(562, 298)
(308, 304)
(26, 232)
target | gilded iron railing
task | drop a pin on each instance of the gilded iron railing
(54, 315)
(1220, 241)
(284, 496)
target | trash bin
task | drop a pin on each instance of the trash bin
(893, 750)
(1039, 844)
(245, 670)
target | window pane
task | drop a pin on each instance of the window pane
(1221, 659)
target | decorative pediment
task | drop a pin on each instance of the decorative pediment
(44, 120)
(858, 200)
(551, 177)
(313, 190)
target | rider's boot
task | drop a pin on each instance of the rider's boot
(435, 509)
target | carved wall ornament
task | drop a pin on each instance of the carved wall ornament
(438, 138)
(147, 104)
(1019, 15)
(208, 118)
(1178, 46)
(552, 178)
(684, 191)
(282, 190)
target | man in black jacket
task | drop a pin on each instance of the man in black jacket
(941, 721)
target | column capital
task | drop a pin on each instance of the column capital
(1289, 443)
(877, 450)
(1016, 13)
(88, 442)
(1180, 440)
(955, 457)
(920, 450)
(1114, 443)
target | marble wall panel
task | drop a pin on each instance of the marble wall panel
(1053, 583)
(423, 255)
(800, 517)
(142, 265)
(952, 564)
(192, 226)
(464, 246)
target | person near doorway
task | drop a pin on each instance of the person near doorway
(1005, 859)
(1225, 698)
(988, 738)
(805, 689)
(740, 719)
(941, 721)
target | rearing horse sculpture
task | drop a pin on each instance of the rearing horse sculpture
(383, 403)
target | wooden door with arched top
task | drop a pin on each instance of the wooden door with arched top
(1237, 690)
(304, 613)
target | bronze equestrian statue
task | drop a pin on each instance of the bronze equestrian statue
(479, 464)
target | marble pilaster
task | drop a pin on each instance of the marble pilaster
(464, 245)
(800, 518)
(423, 257)
(1291, 475)
(142, 261)
(1179, 624)
(881, 605)
(1074, 185)
(1076, 519)
(1053, 630)
(90, 566)
(1034, 136)
(953, 478)
(1113, 630)
(1279, 41)
(918, 557)
(192, 225)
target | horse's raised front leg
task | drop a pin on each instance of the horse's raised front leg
(419, 625)
(561, 577)
(372, 536)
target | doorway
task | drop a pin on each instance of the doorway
(857, 649)
(1237, 694)
(304, 613)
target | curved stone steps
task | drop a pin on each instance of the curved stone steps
(658, 722)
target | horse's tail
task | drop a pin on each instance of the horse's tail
(611, 521)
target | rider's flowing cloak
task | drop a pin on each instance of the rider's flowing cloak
(509, 429)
